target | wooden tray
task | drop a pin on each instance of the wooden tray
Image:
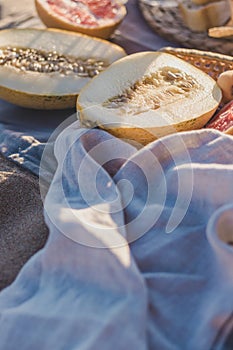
(164, 18)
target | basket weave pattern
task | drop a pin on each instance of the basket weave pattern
(165, 19)
(211, 63)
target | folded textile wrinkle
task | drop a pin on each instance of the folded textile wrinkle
(110, 276)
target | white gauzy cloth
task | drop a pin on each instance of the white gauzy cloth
(136, 257)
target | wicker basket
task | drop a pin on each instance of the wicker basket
(164, 17)
(211, 63)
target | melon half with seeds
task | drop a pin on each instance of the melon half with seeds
(46, 69)
(92, 17)
(148, 95)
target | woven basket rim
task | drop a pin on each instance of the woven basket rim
(198, 53)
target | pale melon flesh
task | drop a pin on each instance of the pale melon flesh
(34, 89)
(148, 95)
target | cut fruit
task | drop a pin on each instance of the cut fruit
(46, 69)
(223, 120)
(148, 95)
(221, 32)
(199, 18)
(97, 18)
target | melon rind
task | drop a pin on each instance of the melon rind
(51, 90)
(184, 114)
(51, 20)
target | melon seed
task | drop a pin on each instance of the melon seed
(27, 59)
(154, 90)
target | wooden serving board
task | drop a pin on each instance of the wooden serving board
(164, 18)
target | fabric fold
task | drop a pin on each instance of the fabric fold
(83, 296)
(110, 275)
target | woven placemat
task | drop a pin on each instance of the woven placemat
(164, 18)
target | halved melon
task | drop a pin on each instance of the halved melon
(97, 18)
(148, 95)
(46, 69)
